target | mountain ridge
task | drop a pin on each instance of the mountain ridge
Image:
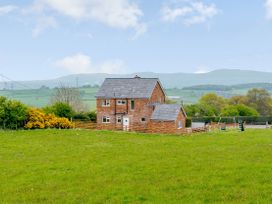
(169, 80)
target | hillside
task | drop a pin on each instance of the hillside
(210, 87)
(169, 80)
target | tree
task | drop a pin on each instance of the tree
(199, 110)
(60, 109)
(246, 111)
(2, 108)
(12, 113)
(260, 100)
(238, 110)
(215, 102)
(70, 96)
(230, 111)
(235, 100)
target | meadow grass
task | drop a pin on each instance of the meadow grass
(80, 166)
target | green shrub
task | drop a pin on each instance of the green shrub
(12, 113)
(60, 109)
(188, 122)
(92, 115)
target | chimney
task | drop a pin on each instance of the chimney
(137, 77)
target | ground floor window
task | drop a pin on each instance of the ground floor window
(106, 119)
(143, 119)
(179, 124)
(119, 119)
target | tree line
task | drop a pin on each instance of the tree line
(257, 102)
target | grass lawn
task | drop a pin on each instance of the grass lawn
(73, 166)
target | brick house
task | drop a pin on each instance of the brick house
(137, 104)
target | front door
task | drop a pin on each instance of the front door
(126, 123)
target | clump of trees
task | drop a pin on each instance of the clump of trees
(257, 102)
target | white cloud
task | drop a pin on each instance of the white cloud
(202, 69)
(43, 24)
(193, 13)
(114, 13)
(268, 6)
(7, 9)
(81, 63)
(171, 14)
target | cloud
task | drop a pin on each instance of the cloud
(7, 9)
(268, 6)
(44, 23)
(114, 13)
(202, 69)
(171, 14)
(195, 12)
(80, 63)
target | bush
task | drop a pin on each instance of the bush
(91, 116)
(12, 113)
(37, 119)
(60, 109)
(188, 122)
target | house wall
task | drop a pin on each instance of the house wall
(157, 95)
(167, 127)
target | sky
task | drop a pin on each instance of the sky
(45, 39)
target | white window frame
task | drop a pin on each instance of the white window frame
(179, 124)
(121, 120)
(107, 119)
(106, 103)
(121, 102)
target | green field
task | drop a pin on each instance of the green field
(41, 97)
(79, 166)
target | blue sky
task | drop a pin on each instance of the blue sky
(46, 39)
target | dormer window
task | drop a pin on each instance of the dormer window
(106, 103)
(121, 102)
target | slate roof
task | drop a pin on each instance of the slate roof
(166, 112)
(127, 87)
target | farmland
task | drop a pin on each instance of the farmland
(77, 166)
(41, 97)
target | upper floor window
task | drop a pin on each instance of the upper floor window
(106, 119)
(121, 102)
(106, 103)
(132, 104)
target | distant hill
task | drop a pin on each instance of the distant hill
(267, 86)
(224, 77)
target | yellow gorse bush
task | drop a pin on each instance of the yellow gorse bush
(37, 119)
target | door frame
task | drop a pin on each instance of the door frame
(126, 123)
